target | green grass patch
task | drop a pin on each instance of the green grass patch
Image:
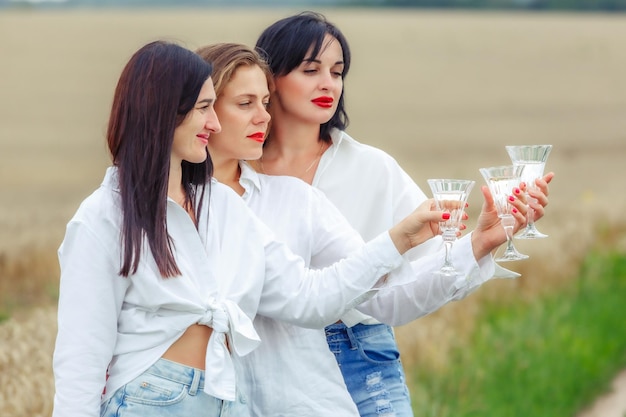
(546, 358)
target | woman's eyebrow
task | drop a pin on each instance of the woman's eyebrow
(317, 61)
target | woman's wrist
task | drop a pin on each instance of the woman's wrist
(400, 239)
(481, 246)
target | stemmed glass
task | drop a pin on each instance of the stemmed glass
(451, 196)
(501, 181)
(533, 157)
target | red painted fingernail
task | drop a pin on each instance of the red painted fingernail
(514, 210)
(466, 204)
(445, 216)
(517, 191)
(511, 198)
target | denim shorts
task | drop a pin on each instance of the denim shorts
(369, 360)
(170, 389)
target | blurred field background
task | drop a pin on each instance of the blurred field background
(443, 92)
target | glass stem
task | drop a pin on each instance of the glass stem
(509, 234)
(507, 224)
(449, 236)
(446, 262)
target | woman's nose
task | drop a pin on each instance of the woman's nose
(212, 122)
(326, 81)
(263, 116)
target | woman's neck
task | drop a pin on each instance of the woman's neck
(293, 149)
(176, 191)
(228, 173)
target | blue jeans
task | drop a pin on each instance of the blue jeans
(170, 389)
(370, 363)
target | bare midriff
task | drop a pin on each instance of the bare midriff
(190, 348)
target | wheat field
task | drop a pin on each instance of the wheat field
(443, 92)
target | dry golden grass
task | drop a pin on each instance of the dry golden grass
(26, 344)
(442, 92)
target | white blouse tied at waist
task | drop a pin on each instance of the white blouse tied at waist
(225, 317)
(232, 269)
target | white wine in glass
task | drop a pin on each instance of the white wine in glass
(450, 195)
(501, 181)
(533, 157)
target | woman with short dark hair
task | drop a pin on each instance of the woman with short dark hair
(310, 58)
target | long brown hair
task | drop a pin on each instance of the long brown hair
(157, 88)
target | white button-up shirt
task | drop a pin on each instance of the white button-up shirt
(232, 269)
(374, 193)
(293, 373)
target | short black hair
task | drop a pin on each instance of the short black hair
(285, 44)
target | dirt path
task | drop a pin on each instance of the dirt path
(613, 404)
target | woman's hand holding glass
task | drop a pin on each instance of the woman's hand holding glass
(533, 159)
(424, 223)
(489, 233)
(419, 226)
(501, 179)
(451, 196)
(538, 194)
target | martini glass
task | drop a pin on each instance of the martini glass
(450, 196)
(533, 157)
(501, 181)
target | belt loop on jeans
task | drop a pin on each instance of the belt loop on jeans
(352, 338)
(195, 382)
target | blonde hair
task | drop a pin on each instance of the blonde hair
(226, 58)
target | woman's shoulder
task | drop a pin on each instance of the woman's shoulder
(103, 203)
(228, 206)
(234, 216)
(97, 218)
(222, 195)
(353, 156)
(347, 144)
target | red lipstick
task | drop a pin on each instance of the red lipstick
(257, 136)
(323, 101)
